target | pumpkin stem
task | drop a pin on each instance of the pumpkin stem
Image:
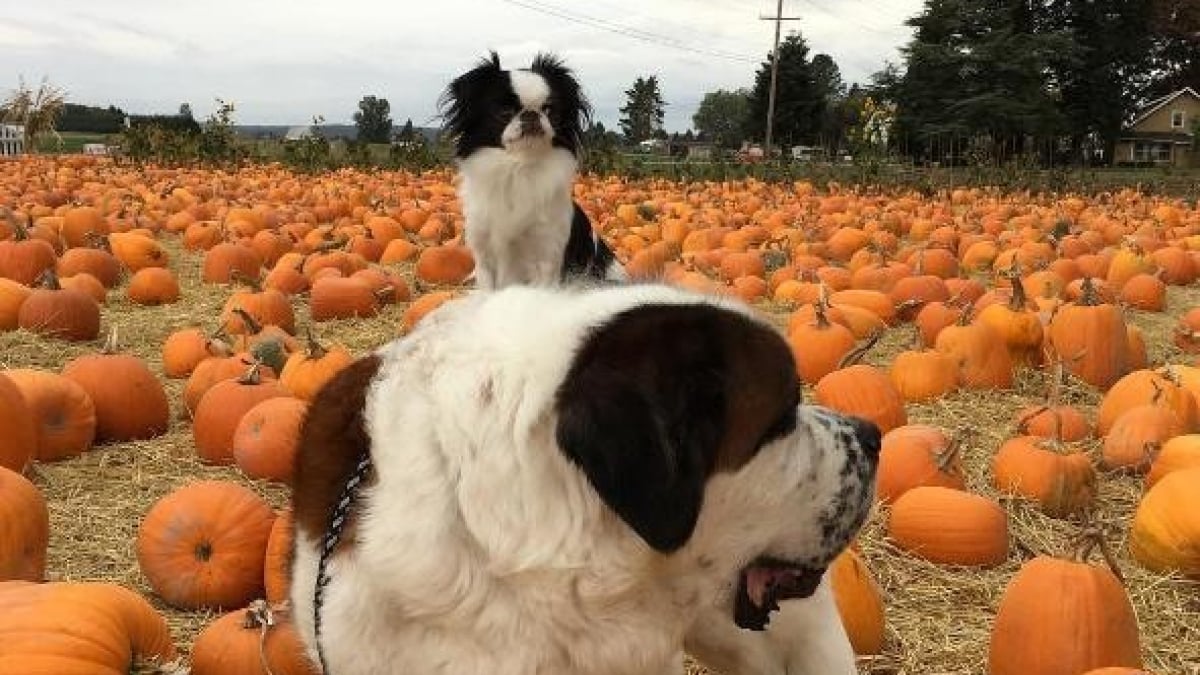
(99, 241)
(1092, 538)
(253, 375)
(964, 315)
(946, 456)
(822, 306)
(247, 318)
(316, 351)
(111, 345)
(1150, 451)
(20, 233)
(856, 355)
(384, 294)
(1158, 392)
(254, 283)
(49, 280)
(1089, 297)
(1017, 300)
(259, 615)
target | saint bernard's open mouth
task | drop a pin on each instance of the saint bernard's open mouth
(764, 583)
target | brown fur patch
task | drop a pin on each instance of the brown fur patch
(762, 390)
(331, 438)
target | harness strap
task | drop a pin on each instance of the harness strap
(333, 536)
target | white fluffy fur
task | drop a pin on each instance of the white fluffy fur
(517, 208)
(481, 550)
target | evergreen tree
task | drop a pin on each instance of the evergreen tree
(799, 101)
(642, 115)
(373, 119)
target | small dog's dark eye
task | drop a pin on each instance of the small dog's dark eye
(547, 108)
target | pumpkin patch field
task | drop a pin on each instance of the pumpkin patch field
(1032, 358)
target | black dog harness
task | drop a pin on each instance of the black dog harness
(333, 536)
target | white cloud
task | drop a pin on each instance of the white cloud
(283, 61)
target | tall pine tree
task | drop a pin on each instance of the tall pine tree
(799, 103)
(642, 115)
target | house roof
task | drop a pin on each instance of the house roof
(1153, 106)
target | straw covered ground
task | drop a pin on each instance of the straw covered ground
(938, 618)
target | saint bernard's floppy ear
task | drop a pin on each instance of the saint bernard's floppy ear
(660, 397)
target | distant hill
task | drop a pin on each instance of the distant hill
(347, 132)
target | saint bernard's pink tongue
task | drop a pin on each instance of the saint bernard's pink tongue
(762, 580)
(761, 586)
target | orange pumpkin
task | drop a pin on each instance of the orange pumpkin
(24, 528)
(306, 371)
(1062, 616)
(222, 408)
(859, 602)
(69, 628)
(1060, 483)
(204, 545)
(265, 440)
(277, 568)
(1092, 339)
(153, 286)
(863, 391)
(130, 402)
(949, 526)
(915, 455)
(1165, 536)
(63, 414)
(64, 313)
(16, 419)
(248, 641)
(819, 345)
(1180, 452)
(982, 358)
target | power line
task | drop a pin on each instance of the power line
(626, 31)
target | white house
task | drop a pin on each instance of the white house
(12, 140)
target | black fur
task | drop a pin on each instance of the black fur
(646, 410)
(478, 104)
(586, 256)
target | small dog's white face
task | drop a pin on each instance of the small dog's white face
(529, 129)
(521, 110)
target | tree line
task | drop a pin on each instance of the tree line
(981, 77)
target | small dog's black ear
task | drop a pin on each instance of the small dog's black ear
(453, 103)
(642, 414)
(577, 111)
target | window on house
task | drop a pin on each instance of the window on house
(1149, 151)
(1176, 119)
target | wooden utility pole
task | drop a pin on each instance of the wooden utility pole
(779, 18)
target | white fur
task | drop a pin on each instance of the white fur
(481, 550)
(517, 206)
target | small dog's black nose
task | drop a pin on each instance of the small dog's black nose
(867, 434)
(529, 117)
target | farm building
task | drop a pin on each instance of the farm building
(12, 140)
(1163, 133)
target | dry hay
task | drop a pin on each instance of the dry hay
(938, 617)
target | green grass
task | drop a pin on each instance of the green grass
(72, 142)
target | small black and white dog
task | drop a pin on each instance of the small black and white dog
(518, 136)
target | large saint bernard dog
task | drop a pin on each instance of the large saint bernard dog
(576, 481)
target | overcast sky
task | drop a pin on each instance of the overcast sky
(283, 61)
